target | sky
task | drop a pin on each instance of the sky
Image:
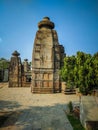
(76, 23)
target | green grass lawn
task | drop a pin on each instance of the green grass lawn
(75, 122)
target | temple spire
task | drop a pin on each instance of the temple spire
(16, 53)
(46, 23)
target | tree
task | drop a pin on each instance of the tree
(81, 71)
(95, 66)
(4, 64)
(67, 73)
(84, 72)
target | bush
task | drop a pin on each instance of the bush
(70, 106)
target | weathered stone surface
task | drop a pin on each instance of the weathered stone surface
(5, 75)
(47, 59)
(26, 74)
(19, 74)
(89, 112)
(15, 71)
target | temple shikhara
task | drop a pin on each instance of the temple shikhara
(47, 59)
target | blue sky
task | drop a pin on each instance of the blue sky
(76, 22)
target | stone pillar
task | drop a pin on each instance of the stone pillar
(46, 59)
(63, 86)
(1, 75)
(15, 70)
(25, 64)
(5, 75)
(26, 74)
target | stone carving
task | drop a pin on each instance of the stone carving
(46, 59)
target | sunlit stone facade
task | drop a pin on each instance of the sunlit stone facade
(47, 59)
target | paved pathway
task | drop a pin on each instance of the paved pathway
(34, 111)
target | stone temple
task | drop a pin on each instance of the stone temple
(19, 73)
(47, 59)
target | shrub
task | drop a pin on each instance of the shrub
(70, 106)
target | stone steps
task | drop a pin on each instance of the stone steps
(43, 90)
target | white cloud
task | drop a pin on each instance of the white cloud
(0, 39)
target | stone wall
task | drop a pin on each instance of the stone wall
(4, 77)
(89, 112)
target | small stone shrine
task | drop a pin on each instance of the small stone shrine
(47, 59)
(15, 70)
(26, 74)
(19, 73)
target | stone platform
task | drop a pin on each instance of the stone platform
(27, 111)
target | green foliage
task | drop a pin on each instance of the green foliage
(81, 71)
(4, 64)
(67, 73)
(70, 107)
(75, 122)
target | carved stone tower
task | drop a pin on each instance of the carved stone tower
(26, 65)
(47, 59)
(15, 68)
